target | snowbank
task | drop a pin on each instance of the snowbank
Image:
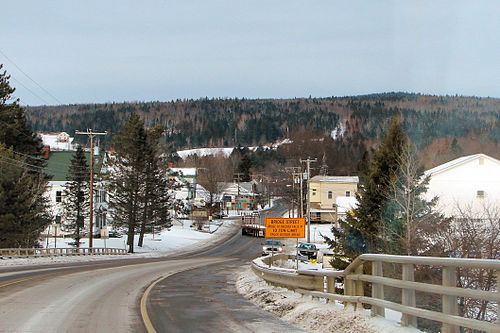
(310, 314)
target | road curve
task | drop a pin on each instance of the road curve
(197, 294)
(101, 300)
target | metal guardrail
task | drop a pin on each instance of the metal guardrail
(51, 252)
(313, 284)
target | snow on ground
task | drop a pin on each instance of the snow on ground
(181, 238)
(310, 314)
(204, 152)
(225, 151)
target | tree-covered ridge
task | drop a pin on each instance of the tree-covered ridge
(229, 122)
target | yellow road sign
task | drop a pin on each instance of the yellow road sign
(285, 228)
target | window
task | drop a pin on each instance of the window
(313, 191)
(347, 193)
(58, 196)
(100, 196)
(480, 194)
(330, 194)
(58, 219)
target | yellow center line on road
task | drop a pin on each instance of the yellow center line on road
(18, 281)
(144, 312)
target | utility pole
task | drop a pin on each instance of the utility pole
(295, 174)
(308, 212)
(238, 175)
(91, 134)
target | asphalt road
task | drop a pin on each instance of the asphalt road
(195, 293)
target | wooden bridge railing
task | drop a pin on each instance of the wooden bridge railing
(322, 284)
(48, 252)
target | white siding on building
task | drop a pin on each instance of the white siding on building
(470, 181)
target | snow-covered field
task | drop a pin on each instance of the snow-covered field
(181, 238)
(310, 314)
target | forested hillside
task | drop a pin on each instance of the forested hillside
(434, 123)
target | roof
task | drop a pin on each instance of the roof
(186, 172)
(59, 162)
(457, 162)
(335, 179)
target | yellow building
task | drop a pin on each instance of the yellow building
(332, 196)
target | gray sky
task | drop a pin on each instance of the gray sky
(104, 51)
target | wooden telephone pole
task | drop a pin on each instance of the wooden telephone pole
(308, 212)
(91, 134)
(238, 175)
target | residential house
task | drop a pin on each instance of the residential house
(186, 177)
(58, 141)
(58, 164)
(241, 195)
(332, 197)
(469, 182)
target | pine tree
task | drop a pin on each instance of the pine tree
(245, 167)
(156, 196)
(14, 131)
(410, 224)
(126, 177)
(76, 194)
(360, 231)
(23, 206)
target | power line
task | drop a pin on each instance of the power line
(46, 91)
(31, 91)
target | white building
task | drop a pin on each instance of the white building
(58, 141)
(471, 182)
(57, 166)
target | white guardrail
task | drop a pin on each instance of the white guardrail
(70, 251)
(321, 284)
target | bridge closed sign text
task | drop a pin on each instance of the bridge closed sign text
(285, 228)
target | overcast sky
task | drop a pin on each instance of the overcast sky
(104, 51)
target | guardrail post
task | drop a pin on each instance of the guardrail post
(450, 305)
(358, 285)
(377, 289)
(408, 296)
(497, 275)
(348, 290)
(330, 285)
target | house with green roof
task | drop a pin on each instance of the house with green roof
(58, 165)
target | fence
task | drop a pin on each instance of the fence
(72, 251)
(322, 285)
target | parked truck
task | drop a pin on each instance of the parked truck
(253, 225)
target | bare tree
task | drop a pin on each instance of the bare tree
(476, 234)
(214, 171)
(411, 225)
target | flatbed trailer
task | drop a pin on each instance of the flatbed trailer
(253, 225)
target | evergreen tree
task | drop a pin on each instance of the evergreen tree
(410, 224)
(76, 194)
(244, 168)
(23, 206)
(126, 177)
(156, 196)
(14, 131)
(360, 231)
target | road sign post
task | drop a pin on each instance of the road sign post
(285, 228)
